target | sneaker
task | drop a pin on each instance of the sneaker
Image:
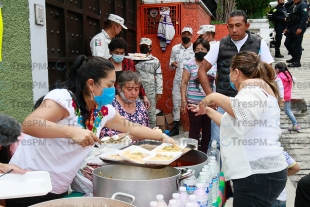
(294, 128)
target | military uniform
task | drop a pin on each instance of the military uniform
(152, 81)
(181, 55)
(296, 20)
(99, 45)
(279, 15)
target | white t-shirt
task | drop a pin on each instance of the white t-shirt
(61, 157)
(264, 52)
(249, 142)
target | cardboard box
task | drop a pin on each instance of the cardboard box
(165, 122)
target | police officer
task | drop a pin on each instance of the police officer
(295, 29)
(279, 16)
(99, 43)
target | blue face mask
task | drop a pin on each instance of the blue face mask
(106, 97)
(231, 83)
(117, 58)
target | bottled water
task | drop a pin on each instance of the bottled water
(183, 195)
(160, 201)
(201, 195)
(214, 181)
(213, 151)
(193, 200)
(176, 197)
(209, 179)
(190, 205)
(203, 179)
(190, 184)
(153, 204)
(172, 203)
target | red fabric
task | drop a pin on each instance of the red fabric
(128, 64)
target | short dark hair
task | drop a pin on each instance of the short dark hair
(118, 43)
(211, 33)
(239, 13)
(10, 130)
(204, 43)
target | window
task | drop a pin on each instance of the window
(150, 16)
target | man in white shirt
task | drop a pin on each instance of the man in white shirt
(99, 43)
(180, 54)
(239, 39)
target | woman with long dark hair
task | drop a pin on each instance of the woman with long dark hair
(252, 157)
(61, 132)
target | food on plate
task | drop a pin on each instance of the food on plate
(115, 139)
(161, 157)
(170, 148)
(135, 155)
(115, 157)
(137, 55)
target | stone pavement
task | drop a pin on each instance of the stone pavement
(296, 144)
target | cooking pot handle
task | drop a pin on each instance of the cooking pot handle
(123, 194)
(188, 173)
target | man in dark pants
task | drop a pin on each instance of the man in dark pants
(279, 16)
(295, 29)
(302, 198)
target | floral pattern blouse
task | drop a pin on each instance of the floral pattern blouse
(140, 116)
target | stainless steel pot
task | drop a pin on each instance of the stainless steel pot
(89, 201)
(143, 183)
(194, 160)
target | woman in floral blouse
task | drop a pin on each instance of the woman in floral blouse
(126, 102)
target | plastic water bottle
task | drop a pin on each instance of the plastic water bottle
(183, 195)
(213, 151)
(160, 201)
(206, 169)
(176, 197)
(153, 204)
(217, 164)
(203, 179)
(190, 184)
(201, 195)
(214, 181)
(189, 205)
(193, 200)
(172, 203)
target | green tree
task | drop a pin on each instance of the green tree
(253, 8)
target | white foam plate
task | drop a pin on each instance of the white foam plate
(107, 154)
(134, 149)
(164, 145)
(175, 155)
(139, 58)
(35, 183)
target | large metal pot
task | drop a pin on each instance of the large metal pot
(143, 183)
(89, 201)
(194, 160)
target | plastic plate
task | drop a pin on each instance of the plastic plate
(160, 147)
(174, 156)
(134, 149)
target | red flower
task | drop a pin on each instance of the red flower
(104, 110)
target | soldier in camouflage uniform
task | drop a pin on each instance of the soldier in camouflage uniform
(152, 79)
(180, 55)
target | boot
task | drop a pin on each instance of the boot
(292, 60)
(295, 64)
(175, 130)
(278, 55)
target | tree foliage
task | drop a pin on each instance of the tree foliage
(253, 8)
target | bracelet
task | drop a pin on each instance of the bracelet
(164, 137)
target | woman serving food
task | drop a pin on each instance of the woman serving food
(63, 130)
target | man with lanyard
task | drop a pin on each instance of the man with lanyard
(295, 29)
(99, 43)
(180, 54)
(152, 79)
(239, 39)
(279, 16)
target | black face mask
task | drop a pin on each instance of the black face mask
(144, 49)
(281, 4)
(186, 40)
(200, 55)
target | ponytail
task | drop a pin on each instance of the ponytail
(282, 67)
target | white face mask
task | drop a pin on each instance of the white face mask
(125, 99)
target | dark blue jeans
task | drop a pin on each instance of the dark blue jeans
(259, 190)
